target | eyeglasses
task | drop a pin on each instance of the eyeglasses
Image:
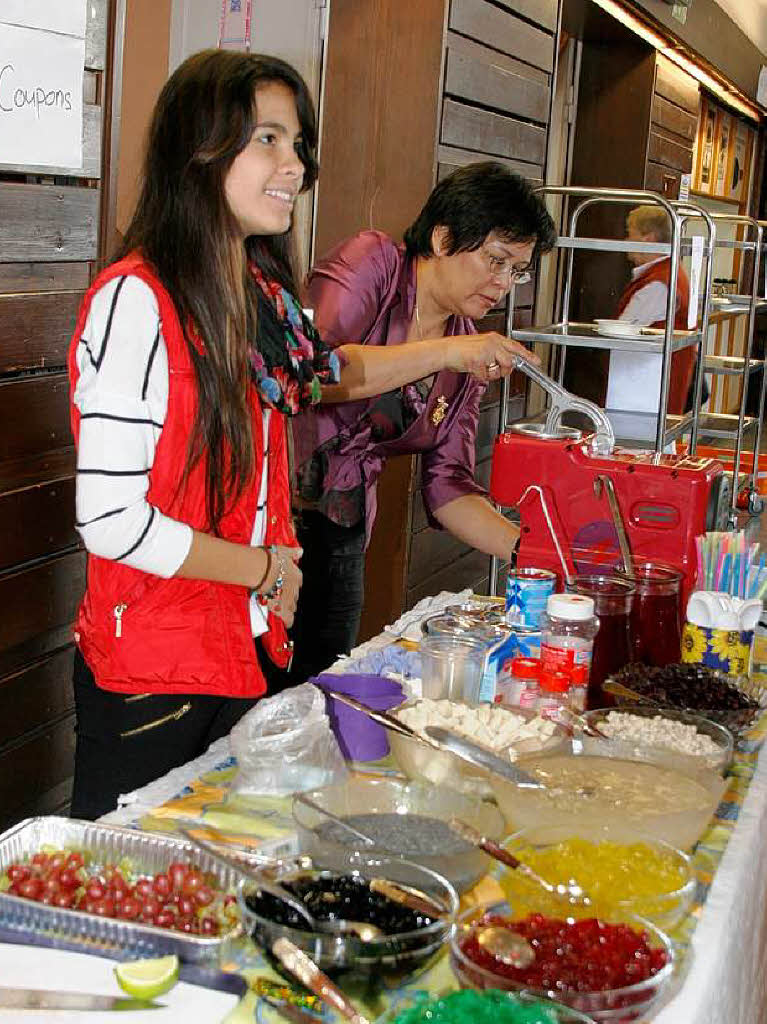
(503, 268)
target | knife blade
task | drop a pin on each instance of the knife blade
(51, 999)
(476, 755)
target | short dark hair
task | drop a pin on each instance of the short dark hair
(475, 200)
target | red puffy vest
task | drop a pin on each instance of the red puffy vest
(179, 635)
(682, 361)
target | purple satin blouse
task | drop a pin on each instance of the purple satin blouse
(363, 291)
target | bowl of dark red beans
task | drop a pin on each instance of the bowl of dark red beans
(351, 890)
(490, 1006)
(613, 970)
(732, 701)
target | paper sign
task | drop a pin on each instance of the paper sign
(41, 98)
(234, 27)
(685, 181)
(66, 16)
(696, 264)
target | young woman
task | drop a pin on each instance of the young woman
(189, 354)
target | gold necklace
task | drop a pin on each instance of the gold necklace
(439, 411)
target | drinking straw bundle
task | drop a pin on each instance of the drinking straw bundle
(729, 564)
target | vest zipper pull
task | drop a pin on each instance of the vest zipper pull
(118, 614)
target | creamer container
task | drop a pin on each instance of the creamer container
(554, 693)
(568, 628)
(522, 674)
(527, 591)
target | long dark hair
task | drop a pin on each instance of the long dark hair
(182, 224)
(477, 199)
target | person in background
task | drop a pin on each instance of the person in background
(635, 378)
(479, 233)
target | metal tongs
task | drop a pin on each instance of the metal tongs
(446, 741)
(562, 401)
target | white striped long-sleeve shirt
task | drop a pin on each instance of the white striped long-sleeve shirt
(122, 395)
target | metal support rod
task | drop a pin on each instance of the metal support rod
(502, 413)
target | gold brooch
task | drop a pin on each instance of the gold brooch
(439, 410)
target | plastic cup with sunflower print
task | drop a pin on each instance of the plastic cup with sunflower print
(726, 650)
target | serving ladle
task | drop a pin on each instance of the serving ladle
(505, 945)
(333, 926)
(302, 798)
(570, 893)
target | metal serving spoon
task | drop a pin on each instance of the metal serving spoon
(568, 893)
(362, 929)
(509, 947)
(302, 798)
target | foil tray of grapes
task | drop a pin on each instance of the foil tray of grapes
(735, 702)
(111, 889)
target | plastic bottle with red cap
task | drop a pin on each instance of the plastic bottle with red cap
(519, 687)
(554, 692)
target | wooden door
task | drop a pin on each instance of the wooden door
(49, 244)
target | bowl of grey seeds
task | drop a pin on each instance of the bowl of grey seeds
(401, 818)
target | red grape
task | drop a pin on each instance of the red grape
(177, 873)
(162, 884)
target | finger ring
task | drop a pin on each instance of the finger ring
(495, 365)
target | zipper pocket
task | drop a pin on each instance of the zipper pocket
(129, 600)
(174, 716)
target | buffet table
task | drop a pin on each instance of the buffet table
(723, 940)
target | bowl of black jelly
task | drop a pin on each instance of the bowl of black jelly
(340, 889)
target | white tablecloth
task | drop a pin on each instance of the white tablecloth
(727, 978)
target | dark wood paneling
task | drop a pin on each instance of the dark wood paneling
(467, 571)
(34, 416)
(35, 522)
(674, 119)
(470, 128)
(498, 29)
(42, 469)
(38, 607)
(35, 329)
(29, 772)
(483, 80)
(39, 694)
(450, 159)
(664, 180)
(44, 277)
(542, 12)
(662, 150)
(45, 223)
(677, 86)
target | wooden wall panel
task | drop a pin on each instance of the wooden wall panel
(34, 416)
(499, 29)
(492, 80)
(674, 119)
(35, 329)
(542, 12)
(44, 277)
(39, 605)
(675, 85)
(45, 762)
(451, 158)
(39, 223)
(471, 128)
(663, 150)
(38, 694)
(35, 521)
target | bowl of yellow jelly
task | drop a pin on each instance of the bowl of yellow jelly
(623, 873)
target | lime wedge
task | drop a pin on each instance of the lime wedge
(147, 979)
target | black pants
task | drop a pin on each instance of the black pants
(125, 741)
(330, 602)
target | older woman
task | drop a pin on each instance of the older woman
(412, 306)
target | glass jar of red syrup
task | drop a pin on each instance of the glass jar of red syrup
(656, 618)
(613, 601)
